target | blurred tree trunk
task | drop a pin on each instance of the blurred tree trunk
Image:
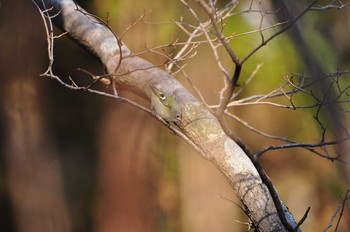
(126, 193)
(32, 168)
(334, 114)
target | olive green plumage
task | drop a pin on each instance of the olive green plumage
(165, 105)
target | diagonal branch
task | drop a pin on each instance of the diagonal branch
(197, 124)
(289, 25)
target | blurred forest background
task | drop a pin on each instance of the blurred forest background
(72, 161)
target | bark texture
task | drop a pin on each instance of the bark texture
(198, 124)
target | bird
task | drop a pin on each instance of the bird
(165, 105)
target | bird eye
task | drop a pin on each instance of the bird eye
(162, 96)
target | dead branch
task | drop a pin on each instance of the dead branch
(334, 4)
(339, 211)
(126, 70)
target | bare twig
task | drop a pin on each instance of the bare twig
(249, 224)
(302, 87)
(307, 146)
(195, 37)
(335, 4)
(230, 83)
(145, 13)
(214, 22)
(289, 25)
(339, 210)
(303, 218)
(290, 143)
(49, 73)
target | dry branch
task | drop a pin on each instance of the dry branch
(198, 125)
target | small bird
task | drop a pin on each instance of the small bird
(165, 106)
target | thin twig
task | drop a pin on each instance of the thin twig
(279, 32)
(339, 210)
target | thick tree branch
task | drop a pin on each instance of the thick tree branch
(197, 124)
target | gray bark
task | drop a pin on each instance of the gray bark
(197, 123)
